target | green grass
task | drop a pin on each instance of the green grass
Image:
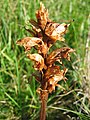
(18, 97)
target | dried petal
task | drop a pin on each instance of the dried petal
(60, 30)
(52, 82)
(43, 48)
(58, 54)
(51, 71)
(42, 16)
(29, 42)
(55, 31)
(38, 59)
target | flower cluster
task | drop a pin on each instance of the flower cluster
(45, 33)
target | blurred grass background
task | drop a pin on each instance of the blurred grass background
(18, 97)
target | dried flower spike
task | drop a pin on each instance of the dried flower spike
(45, 33)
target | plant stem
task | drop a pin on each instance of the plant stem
(44, 97)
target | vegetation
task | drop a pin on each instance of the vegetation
(18, 97)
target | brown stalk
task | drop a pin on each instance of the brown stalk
(44, 98)
(43, 95)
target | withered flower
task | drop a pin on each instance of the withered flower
(29, 42)
(39, 61)
(55, 31)
(45, 33)
(52, 82)
(58, 55)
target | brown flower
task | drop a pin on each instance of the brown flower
(54, 77)
(58, 54)
(55, 31)
(29, 42)
(39, 61)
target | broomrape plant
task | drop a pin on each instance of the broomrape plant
(45, 33)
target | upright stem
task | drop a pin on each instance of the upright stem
(44, 97)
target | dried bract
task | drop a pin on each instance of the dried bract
(38, 59)
(35, 26)
(42, 16)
